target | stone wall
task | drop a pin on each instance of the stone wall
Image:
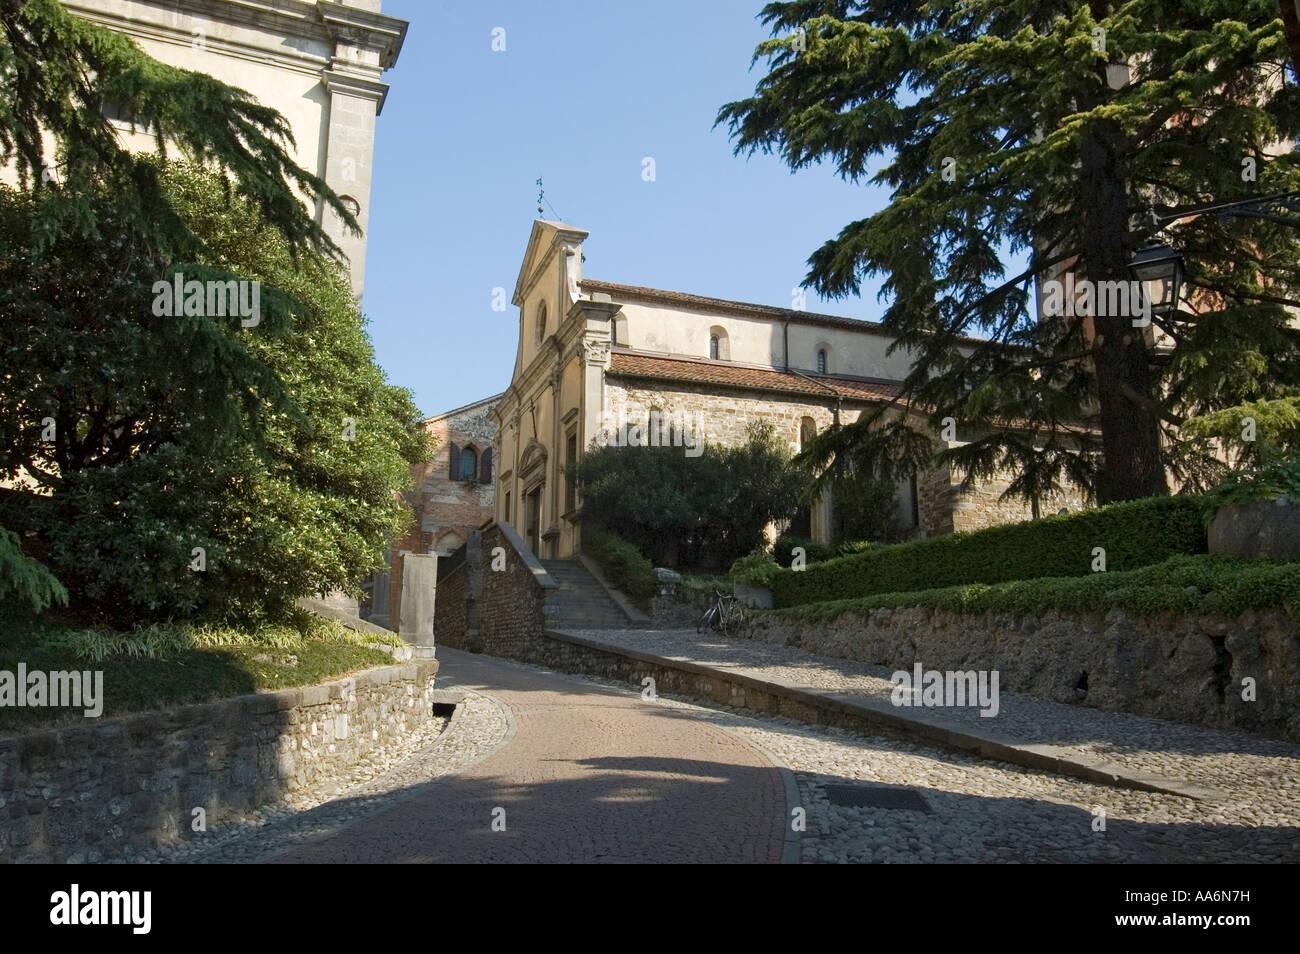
(1180, 667)
(946, 508)
(114, 787)
(725, 415)
(451, 613)
(512, 610)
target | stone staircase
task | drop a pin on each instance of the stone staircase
(580, 602)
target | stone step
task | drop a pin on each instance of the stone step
(579, 600)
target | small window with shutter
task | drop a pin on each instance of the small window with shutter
(468, 463)
(485, 467)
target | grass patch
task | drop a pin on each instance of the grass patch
(178, 663)
(1191, 584)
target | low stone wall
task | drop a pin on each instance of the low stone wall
(114, 787)
(1181, 667)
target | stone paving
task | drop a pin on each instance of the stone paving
(990, 811)
(591, 774)
(588, 770)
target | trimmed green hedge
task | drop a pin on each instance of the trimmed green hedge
(1133, 534)
(623, 565)
(1192, 584)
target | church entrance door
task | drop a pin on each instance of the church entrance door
(534, 521)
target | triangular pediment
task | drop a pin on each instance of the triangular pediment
(543, 239)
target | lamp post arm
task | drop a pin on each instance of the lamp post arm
(1255, 208)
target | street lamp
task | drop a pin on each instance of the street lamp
(1160, 270)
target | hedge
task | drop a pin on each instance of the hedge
(1189, 584)
(623, 565)
(1133, 534)
(814, 552)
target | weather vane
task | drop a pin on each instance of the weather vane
(540, 194)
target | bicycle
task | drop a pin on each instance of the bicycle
(723, 616)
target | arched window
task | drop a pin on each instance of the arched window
(719, 346)
(541, 322)
(807, 431)
(821, 360)
(468, 463)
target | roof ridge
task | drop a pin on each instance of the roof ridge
(793, 313)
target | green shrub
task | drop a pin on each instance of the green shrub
(696, 512)
(624, 566)
(1133, 534)
(814, 552)
(756, 569)
(1192, 584)
(25, 581)
(855, 546)
(276, 453)
(1282, 476)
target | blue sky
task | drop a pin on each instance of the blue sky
(582, 93)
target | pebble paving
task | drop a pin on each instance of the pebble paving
(986, 811)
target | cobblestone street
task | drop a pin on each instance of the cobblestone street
(589, 770)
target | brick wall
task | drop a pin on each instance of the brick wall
(445, 510)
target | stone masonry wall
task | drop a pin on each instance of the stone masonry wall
(1181, 667)
(114, 787)
(725, 415)
(513, 605)
(450, 613)
(945, 507)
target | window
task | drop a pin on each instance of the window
(468, 463)
(719, 346)
(541, 322)
(807, 431)
(507, 513)
(821, 360)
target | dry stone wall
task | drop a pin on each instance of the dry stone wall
(1181, 667)
(116, 787)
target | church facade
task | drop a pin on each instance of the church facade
(595, 356)
(317, 63)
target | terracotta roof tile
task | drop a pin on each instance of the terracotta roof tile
(631, 364)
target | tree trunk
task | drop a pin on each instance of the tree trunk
(1130, 432)
(1291, 27)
